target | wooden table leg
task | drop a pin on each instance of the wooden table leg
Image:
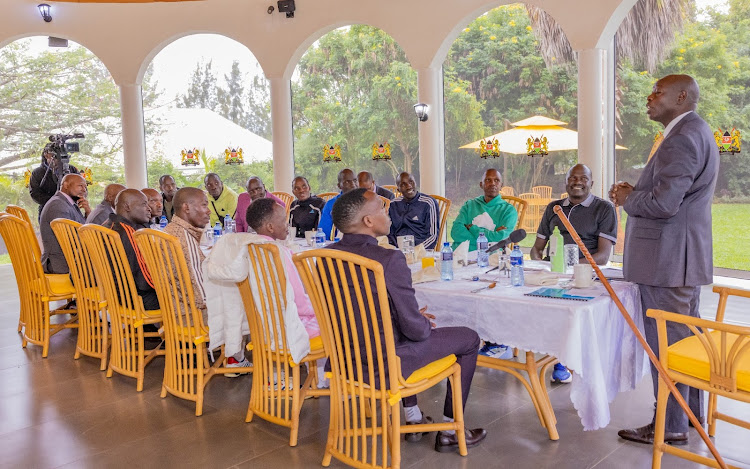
(534, 383)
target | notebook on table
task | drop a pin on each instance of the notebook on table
(560, 293)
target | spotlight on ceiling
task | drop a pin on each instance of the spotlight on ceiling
(421, 110)
(286, 6)
(44, 11)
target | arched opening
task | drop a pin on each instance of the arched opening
(354, 88)
(46, 91)
(211, 97)
(494, 75)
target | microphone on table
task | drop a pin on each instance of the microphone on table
(514, 237)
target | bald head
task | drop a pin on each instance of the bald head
(255, 188)
(74, 185)
(132, 205)
(366, 181)
(110, 193)
(191, 204)
(672, 95)
(347, 181)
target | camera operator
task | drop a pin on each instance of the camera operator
(44, 179)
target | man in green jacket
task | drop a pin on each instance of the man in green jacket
(222, 201)
(488, 213)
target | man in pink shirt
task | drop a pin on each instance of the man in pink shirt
(256, 190)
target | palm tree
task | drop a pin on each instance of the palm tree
(643, 37)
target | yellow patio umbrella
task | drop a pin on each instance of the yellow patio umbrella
(515, 140)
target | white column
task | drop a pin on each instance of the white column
(283, 137)
(590, 116)
(133, 136)
(431, 141)
(609, 67)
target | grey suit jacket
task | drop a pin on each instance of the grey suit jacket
(668, 234)
(53, 260)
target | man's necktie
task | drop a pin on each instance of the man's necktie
(657, 141)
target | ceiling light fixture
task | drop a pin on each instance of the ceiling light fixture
(44, 11)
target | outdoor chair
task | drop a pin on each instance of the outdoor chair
(534, 210)
(187, 370)
(520, 205)
(93, 328)
(564, 195)
(128, 355)
(276, 395)
(393, 189)
(507, 190)
(328, 195)
(716, 359)
(544, 192)
(386, 202)
(35, 288)
(444, 205)
(339, 286)
(20, 212)
(287, 198)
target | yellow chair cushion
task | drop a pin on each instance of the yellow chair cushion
(316, 344)
(689, 357)
(432, 369)
(60, 284)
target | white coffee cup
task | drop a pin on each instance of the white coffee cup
(583, 276)
(310, 237)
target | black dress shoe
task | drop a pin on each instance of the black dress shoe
(445, 443)
(645, 435)
(414, 437)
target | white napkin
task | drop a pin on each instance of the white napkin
(461, 254)
(419, 252)
(428, 274)
(383, 242)
(544, 279)
(483, 220)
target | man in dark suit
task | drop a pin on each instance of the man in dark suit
(360, 214)
(366, 180)
(668, 250)
(66, 203)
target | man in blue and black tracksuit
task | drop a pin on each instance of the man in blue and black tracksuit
(414, 214)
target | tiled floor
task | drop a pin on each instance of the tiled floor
(60, 412)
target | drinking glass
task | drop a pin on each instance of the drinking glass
(571, 257)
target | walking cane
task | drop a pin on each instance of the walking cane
(651, 355)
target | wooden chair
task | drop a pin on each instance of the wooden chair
(35, 288)
(20, 212)
(393, 189)
(93, 329)
(186, 367)
(276, 395)
(716, 359)
(339, 285)
(507, 190)
(287, 198)
(386, 202)
(564, 195)
(128, 356)
(328, 195)
(444, 205)
(534, 210)
(520, 205)
(545, 192)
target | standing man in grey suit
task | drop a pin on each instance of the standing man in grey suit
(668, 249)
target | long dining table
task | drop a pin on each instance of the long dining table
(590, 337)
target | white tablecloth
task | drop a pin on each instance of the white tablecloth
(590, 337)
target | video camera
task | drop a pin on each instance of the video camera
(61, 148)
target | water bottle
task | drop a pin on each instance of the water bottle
(516, 267)
(446, 262)
(162, 222)
(320, 238)
(228, 224)
(556, 251)
(483, 259)
(217, 232)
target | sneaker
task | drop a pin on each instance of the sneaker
(561, 374)
(233, 363)
(275, 385)
(502, 352)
